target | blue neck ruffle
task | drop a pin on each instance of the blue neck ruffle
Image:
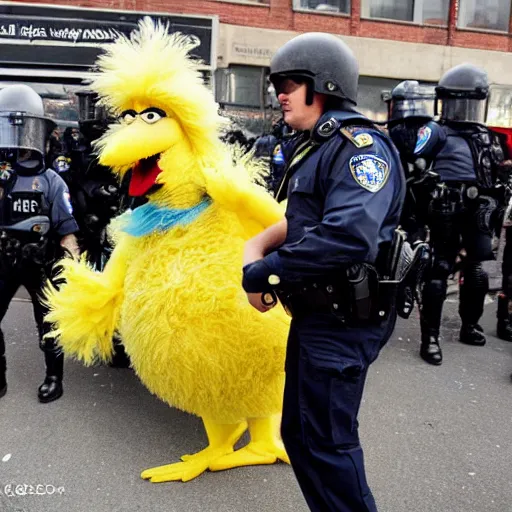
(149, 218)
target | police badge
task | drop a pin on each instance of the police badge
(370, 171)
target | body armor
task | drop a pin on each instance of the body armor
(486, 150)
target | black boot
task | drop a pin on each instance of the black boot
(430, 351)
(51, 389)
(503, 328)
(3, 381)
(470, 335)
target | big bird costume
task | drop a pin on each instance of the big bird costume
(172, 287)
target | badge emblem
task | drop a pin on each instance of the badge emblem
(363, 140)
(36, 185)
(369, 171)
(5, 171)
(424, 135)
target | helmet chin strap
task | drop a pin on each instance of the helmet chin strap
(309, 93)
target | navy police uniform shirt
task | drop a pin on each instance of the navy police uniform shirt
(449, 151)
(43, 194)
(345, 196)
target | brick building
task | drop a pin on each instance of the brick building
(393, 39)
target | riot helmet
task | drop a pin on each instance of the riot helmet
(409, 100)
(24, 131)
(463, 92)
(321, 60)
(409, 107)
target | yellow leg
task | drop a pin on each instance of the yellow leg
(265, 447)
(222, 439)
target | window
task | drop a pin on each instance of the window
(431, 12)
(241, 85)
(499, 112)
(485, 14)
(323, 5)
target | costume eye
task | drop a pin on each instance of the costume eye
(152, 115)
(128, 116)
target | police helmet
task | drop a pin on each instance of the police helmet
(24, 131)
(463, 92)
(323, 60)
(408, 100)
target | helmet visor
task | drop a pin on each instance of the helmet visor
(401, 109)
(19, 131)
(463, 109)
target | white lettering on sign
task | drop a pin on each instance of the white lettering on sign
(99, 34)
(33, 32)
(9, 31)
(72, 34)
(25, 206)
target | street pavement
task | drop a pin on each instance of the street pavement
(436, 439)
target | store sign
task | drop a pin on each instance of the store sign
(252, 51)
(86, 27)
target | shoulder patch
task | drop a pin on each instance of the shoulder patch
(424, 134)
(278, 156)
(67, 202)
(369, 171)
(360, 140)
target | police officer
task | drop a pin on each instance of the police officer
(462, 207)
(30, 192)
(274, 149)
(345, 189)
(408, 110)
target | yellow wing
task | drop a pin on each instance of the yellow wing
(85, 310)
(233, 187)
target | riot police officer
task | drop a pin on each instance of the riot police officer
(345, 189)
(409, 108)
(36, 220)
(408, 111)
(461, 206)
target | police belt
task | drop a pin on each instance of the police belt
(358, 302)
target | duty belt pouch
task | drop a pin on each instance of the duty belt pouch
(403, 274)
(366, 305)
(444, 211)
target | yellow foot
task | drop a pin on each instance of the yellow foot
(254, 454)
(191, 467)
(222, 439)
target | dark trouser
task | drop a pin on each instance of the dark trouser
(506, 267)
(446, 243)
(33, 279)
(326, 367)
